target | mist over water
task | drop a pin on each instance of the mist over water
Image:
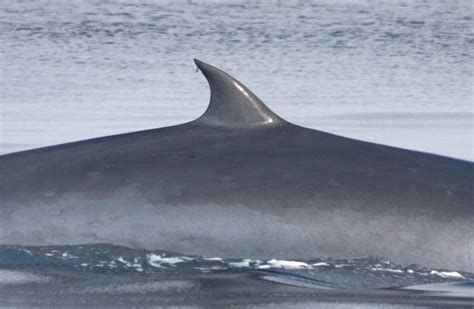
(393, 72)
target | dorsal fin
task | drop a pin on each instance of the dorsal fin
(232, 104)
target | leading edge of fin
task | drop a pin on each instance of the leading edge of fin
(232, 104)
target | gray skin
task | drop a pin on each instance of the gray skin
(241, 182)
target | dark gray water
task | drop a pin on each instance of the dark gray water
(393, 72)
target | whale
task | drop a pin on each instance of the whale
(242, 182)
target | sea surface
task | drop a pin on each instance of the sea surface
(393, 72)
(103, 274)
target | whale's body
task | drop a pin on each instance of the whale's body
(242, 182)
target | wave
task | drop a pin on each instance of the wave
(369, 272)
(108, 275)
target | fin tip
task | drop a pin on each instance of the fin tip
(231, 102)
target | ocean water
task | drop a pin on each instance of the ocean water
(392, 72)
(328, 273)
(97, 274)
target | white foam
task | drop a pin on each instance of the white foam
(158, 260)
(68, 255)
(341, 265)
(243, 264)
(447, 274)
(391, 270)
(285, 265)
(123, 261)
(217, 259)
(27, 251)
